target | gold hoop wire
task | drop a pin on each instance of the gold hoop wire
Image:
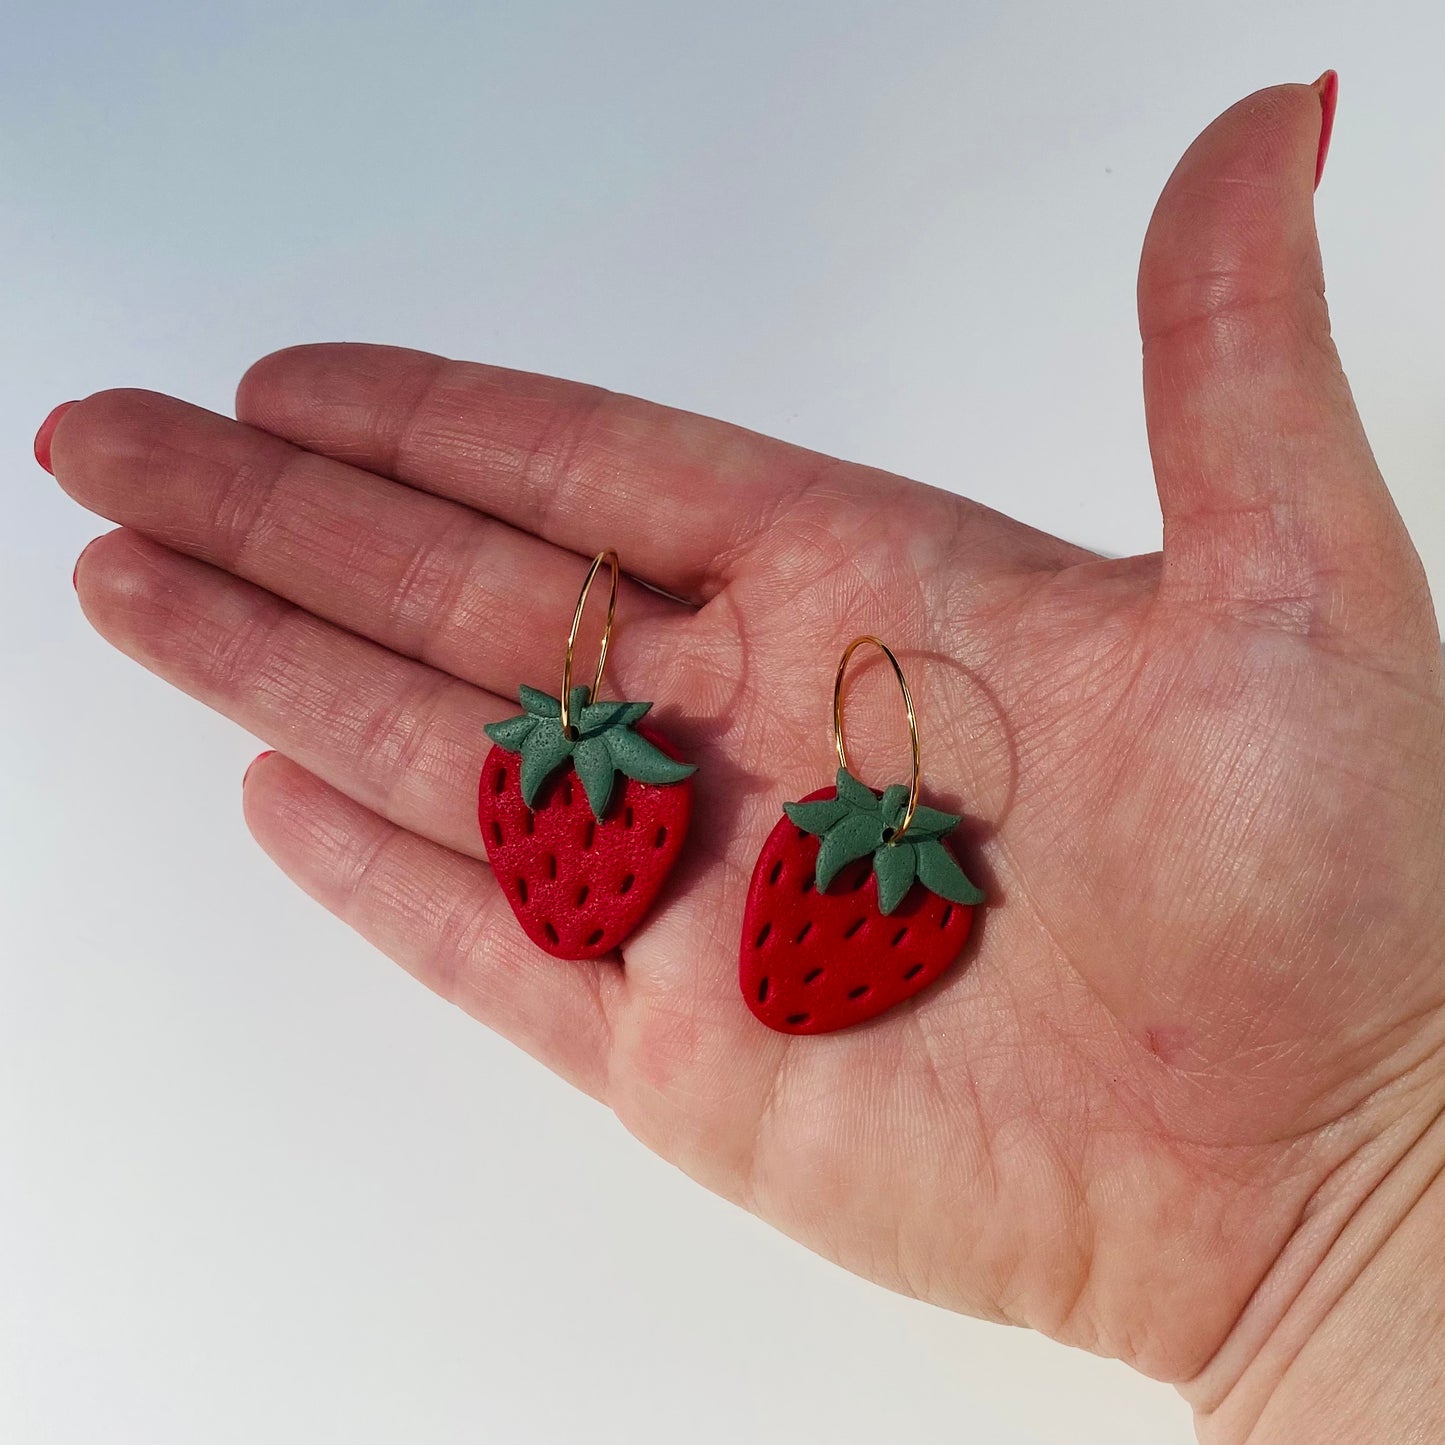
(609, 557)
(838, 739)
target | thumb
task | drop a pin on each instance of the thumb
(1273, 507)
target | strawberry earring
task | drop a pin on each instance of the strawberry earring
(857, 902)
(583, 807)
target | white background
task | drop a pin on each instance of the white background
(256, 1185)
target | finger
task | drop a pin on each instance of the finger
(1272, 502)
(401, 738)
(438, 914)
(420, 575)
(685, 499)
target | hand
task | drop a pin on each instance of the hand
(1191, 1072)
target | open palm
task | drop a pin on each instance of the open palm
(1203, 1010)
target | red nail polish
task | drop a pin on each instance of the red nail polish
(269, 753)
(75, 573)
(46, 432)
(1327, 87)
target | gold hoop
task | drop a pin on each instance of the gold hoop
(610, 558)
(840, 744)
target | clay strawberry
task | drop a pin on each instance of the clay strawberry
(581, 829)
(843, 919)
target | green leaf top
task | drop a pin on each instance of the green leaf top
(858, 822)
(605, 745)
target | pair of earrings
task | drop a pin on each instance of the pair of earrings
(857, 900)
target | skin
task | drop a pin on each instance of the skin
(1183, 1100)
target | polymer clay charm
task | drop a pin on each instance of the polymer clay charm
(857, 901)
(583, 807)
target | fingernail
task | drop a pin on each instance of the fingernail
(46, 432)
(75, 573)
(269, 753)
(1327, 87)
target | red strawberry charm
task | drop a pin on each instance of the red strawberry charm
(582, 821)
(857, 902)
(848, 914)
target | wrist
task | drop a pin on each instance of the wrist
(1345, 1337)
